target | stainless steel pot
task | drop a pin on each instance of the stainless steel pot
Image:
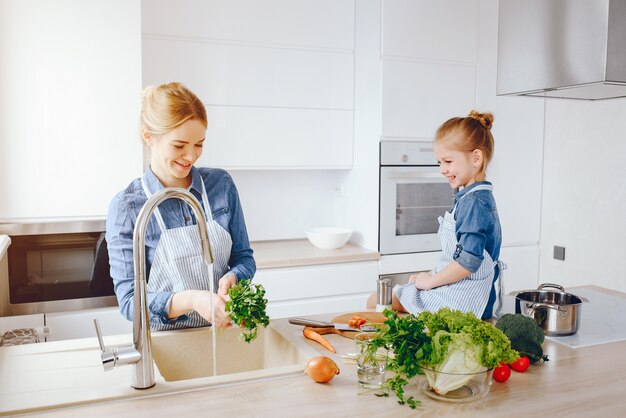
(556, 311)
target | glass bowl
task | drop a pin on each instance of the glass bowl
(455, 387)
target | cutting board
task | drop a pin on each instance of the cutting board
(373, 317)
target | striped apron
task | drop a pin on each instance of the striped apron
(469, 294)
(178, 262)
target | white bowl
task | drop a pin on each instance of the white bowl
(328, 238)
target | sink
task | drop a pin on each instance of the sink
(187, 354)
(67, 373)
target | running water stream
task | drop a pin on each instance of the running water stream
(213, 334)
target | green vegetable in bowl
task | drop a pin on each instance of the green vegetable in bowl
(525, 334)
(462, 345)
(246, 308)
(447, 341)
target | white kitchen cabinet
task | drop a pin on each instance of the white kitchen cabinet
(318, 289)
(79, 324)
(443, 30)
(8, 323)
(278, 85)
(70, 77)
(428, 54)
(522, 272)
(417, 97)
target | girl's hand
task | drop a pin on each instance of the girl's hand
(226, 282)
(422, 281)
(202, 305)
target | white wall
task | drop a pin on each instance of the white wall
(70, 83)
(584, 193)
(282, 204)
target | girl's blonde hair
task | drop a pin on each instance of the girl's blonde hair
(468, 134)
(167, 106)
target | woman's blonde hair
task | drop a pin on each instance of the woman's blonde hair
(468, 134)
(167, 106)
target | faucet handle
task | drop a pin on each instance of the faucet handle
(96, 323)
(115, 356)
(106, 354)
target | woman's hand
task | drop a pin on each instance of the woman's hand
(422, 281)
(226, 282)
(202, 304)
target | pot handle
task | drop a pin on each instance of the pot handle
(558, 286)
(554, 285)
(535, 305)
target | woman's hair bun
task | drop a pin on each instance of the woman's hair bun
(485, 119)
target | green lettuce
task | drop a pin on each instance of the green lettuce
(448, 341)
(461, 345)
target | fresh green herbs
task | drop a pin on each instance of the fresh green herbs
(407, 339)
(246, 308)
(447, 341)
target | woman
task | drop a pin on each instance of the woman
(173, 128)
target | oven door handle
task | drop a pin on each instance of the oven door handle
(412, 175)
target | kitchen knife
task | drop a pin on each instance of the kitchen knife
(323, 324)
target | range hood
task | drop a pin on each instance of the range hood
(573, 49)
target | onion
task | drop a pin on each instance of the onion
(321, 369)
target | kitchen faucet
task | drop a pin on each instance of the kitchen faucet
(139, 355)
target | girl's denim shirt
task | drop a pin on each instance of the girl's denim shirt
(477, 227)
(124, 209)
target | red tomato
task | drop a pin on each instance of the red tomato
(501, 373)
(521, 364)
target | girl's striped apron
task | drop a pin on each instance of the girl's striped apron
(469, 294)
(178, 263)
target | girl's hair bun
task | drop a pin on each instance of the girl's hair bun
(485, 119)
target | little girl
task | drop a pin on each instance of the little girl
(470, 232)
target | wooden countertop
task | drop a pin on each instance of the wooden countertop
(300, 252)
(586, 381)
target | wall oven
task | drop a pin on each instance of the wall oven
(51, 267)
(413, 194)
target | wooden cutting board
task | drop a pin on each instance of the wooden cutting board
(374, 317)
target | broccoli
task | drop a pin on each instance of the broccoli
(525, 335)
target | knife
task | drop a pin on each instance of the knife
(323, 324)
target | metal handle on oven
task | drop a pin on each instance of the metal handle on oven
(412, 175)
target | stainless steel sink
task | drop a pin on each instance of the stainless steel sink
(187, 354)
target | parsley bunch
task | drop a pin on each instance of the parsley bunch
(246, 308)
(411, 345)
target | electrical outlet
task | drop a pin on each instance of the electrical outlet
(559, 253)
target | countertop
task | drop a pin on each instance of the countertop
(300, 252)
(587, 381)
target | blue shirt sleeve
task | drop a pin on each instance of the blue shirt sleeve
(473, 223)
(120, 225)
(241, 262)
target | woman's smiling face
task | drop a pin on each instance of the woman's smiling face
(173, 154)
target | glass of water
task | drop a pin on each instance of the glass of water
(370, 361)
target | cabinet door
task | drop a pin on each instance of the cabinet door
(278, 85)
(79, 324)
(320, 289)
(70, 77)
(8, 323)
(522, 272)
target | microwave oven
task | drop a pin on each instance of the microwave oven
(52, 267)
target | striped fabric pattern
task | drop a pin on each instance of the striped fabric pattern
(178, 263)
(468, 295)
